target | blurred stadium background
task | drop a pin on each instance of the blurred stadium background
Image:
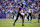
(9, 10)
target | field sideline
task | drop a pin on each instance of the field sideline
(9, 23)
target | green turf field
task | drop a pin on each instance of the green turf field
(9, 23)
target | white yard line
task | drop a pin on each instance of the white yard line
(20, 22)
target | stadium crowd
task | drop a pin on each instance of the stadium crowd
(11, 6)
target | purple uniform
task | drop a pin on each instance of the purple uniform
(20, 8)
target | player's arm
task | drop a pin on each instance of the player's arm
(24, 10)
(38, 13)
(18, 11)
(24, 13)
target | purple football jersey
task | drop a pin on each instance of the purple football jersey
(20, 8)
